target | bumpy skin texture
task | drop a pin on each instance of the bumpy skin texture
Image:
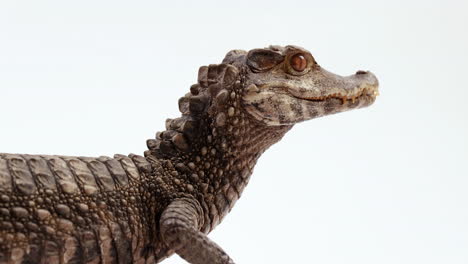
(134, 209)
(73, 209)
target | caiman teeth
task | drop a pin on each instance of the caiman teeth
(345, 98)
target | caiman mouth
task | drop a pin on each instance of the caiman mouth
(318, 93)
(353, 96)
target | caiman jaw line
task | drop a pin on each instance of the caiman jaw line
(363, 91)
(350, 95)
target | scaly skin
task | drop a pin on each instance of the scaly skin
(137, 209)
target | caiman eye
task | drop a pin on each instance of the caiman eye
(298, 62)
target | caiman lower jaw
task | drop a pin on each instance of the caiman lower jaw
(351, 97)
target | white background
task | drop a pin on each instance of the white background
(386, 184)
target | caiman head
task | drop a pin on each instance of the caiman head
(254, 97)
(285, 85)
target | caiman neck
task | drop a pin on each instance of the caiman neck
(219, 161)
(226, 155)
(209, 153)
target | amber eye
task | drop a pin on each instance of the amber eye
(298, 62)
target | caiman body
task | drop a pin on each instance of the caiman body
(57, 209)
(142, 209)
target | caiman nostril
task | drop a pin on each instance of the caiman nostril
(361, 72)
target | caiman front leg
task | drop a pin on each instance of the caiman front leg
(180, 226)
